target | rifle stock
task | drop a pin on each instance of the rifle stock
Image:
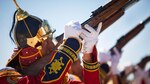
(112, 19)
(130, 35)
(106, 13)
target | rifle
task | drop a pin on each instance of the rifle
(130, 35)
(141, 65)
(144, 61)
(108, 13)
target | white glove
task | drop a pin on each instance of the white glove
(129, 69)
(115, 60)
(72, 29)
(90, 38)
(104, 56)
(139, 73)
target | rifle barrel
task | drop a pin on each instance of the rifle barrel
(146, 21)
(121, 42)
(130, 3)
(111, 20)
(108, 13)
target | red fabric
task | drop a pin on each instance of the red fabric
(24, 80)
(8, 80)
(75, 82)
(28, 56)
(37, 79)
(28, 51)
(32, 80)
(94, 53)
(3, 80)
(91, 77)
(143, 81)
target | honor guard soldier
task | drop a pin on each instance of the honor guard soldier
(33, 38)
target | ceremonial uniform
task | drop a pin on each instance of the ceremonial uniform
(29, 34)
(58, 66)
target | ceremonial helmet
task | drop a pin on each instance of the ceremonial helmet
(28, 30)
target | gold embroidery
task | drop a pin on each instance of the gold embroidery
(71, 53)
(33, 55)
(91, 66)
(56, 66)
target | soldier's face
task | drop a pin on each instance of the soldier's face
(47, 46)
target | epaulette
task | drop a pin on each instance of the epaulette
(8, 75)
(8, 72)
(29, 55)
(14, 60)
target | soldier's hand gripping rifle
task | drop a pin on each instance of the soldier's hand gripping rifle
(132, 68)
(130, 35)
(107, 14)
(124, 40)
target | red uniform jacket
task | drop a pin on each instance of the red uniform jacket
(55, 71)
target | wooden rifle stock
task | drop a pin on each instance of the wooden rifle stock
(108, 14)
(130, 35)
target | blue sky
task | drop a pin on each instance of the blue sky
(59, 12)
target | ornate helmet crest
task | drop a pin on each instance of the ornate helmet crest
(28, 30)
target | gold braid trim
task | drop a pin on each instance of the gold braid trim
(21, 14)
(13, 57)
(91, 66)
(33, 55)
(72, 54)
